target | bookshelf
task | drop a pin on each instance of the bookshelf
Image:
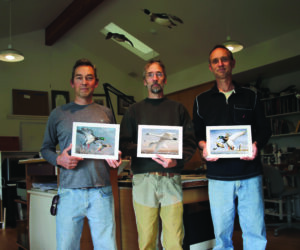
(283, 104)
(283, 112)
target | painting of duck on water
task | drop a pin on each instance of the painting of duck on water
(229, 141)
(95, 140)
(162, 140)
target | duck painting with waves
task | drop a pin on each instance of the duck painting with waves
(95, 140)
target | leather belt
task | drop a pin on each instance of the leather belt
(164, 174)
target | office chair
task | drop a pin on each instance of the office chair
(279, 193)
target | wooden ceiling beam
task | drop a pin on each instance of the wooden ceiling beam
(77, 10)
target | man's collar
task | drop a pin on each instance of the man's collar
(235, 84)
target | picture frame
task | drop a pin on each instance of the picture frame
(123, 105)
(162, 140)
(229, 141)
(95, 140)
(100, 99)
(30, 102)
(59, 98)
(298, 127)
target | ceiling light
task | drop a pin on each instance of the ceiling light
(11, 55)
(140, 49)
(233, 46)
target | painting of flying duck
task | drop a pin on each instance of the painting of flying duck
(95, 140)
(162, 140)
(229, 141)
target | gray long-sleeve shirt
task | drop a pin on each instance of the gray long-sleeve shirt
(89, 172)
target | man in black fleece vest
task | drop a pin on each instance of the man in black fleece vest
(233, 178)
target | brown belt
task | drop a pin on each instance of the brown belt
(164, 174)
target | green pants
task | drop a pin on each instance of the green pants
(153, 197)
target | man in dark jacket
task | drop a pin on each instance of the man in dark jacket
(228, 104)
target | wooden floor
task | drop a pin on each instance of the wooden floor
(288, 239)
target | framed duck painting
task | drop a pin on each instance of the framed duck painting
(229, 141)
(95, 140)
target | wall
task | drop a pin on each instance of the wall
(49, 68)
(45, 69)
(277, 49)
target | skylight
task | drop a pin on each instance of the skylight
(140, 49)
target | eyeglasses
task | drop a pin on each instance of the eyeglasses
(157, 74)
(222, 59)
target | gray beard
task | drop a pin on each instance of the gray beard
(156, 89)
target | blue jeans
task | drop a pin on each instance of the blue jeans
(250, 208)
(74, 205)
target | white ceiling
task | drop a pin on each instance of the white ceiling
(206, 23)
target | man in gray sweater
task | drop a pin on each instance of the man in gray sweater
(84, 184)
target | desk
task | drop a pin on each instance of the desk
(39, 170)
(129, 237)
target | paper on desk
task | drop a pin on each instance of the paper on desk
(192, 178)
(45, 186)
(123, 165)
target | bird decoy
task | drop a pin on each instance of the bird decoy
(118, 37)
(163, 18)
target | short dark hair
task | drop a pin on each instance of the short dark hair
(220, 46)
(83, 62)
(160, 63)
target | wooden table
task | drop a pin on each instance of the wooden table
(39, 170)
(193, 192)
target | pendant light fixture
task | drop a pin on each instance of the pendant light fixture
(233, 46)
(10, 54)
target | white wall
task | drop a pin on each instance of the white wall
(45, 69)
(268, 52)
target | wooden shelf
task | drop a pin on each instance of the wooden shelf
(284, 114)
(276, 97)
(281, 105)
(28, 117)
(23, 240)
(285, 135)
(21, 201)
